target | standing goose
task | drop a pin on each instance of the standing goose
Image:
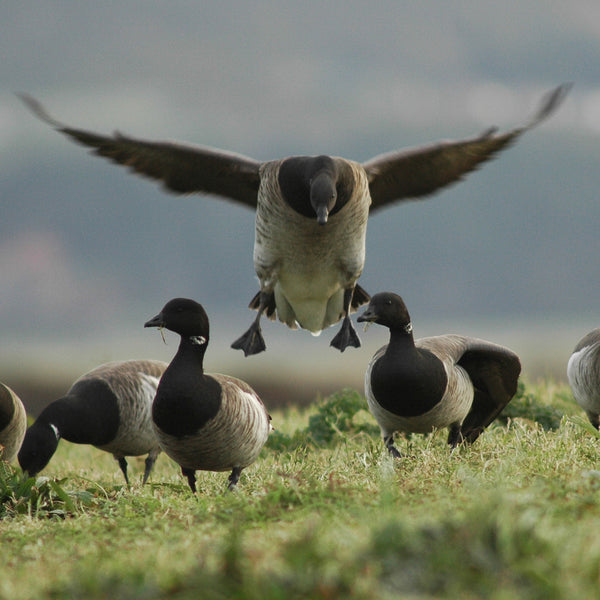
(311, 211)
(583, 373)
(207, 422)
(449, 381)
(109, 407)
(13, 423)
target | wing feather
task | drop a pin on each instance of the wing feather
(182, 168)
(417, 172)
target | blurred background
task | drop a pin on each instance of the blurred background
(89, 252)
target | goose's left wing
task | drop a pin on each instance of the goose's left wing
(417, 172)
(494, 371)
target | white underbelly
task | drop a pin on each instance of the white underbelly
(314, 301)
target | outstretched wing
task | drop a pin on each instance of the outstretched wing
(494, 371)
(413, 173)
(182, 168)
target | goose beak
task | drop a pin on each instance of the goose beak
(156, 321)
(322, 215)
(368, 316)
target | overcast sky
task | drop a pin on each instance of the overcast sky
(89, 252)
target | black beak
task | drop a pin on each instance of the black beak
(322, 215)
(368, 316)
(156, 321)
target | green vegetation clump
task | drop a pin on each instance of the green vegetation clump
(36, 496)
(336, 417)
(526, 405)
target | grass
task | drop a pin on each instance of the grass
(324, 513)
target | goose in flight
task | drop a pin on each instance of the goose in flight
(311, 211)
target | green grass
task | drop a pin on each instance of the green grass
(324, 513)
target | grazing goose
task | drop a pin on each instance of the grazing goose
(109, 408)
(583, 373)
(311, 211)
(13, 423)
(207, 422)
(449, 381)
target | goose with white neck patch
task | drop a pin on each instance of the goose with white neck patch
(206, 422)
(447, 381)
(311, 211)
(109, 408)
(13, 423)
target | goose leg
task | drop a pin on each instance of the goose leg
(455, 436)
(252, 342)
(389, 444)
(594, 418)
(347, 335)
(149, 464)
(123, 464)
(191, 477)
(234, 478)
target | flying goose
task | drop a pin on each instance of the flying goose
(207, 422)
(583, 373)
(13, 423)
(109, 407)
(311, 211)
(452, 381)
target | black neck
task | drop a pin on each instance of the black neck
(88, 415)
(186, 398)
(400, 339)
(192, 348)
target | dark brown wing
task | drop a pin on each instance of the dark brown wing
(420, 171)
(183, 169)
(494, 371)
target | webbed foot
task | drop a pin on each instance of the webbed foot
(251, 342)
(346, 336)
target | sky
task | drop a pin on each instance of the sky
(88, 252)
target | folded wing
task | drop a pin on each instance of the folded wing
(494, 371)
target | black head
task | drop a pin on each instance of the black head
(387, 309)
(38, 447)
(315, 185)
(183, 316)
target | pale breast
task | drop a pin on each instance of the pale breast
(583, 373)
(135, 387)
(12, 434)
(307, 264)
(233, 438)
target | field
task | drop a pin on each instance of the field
(324, 513)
